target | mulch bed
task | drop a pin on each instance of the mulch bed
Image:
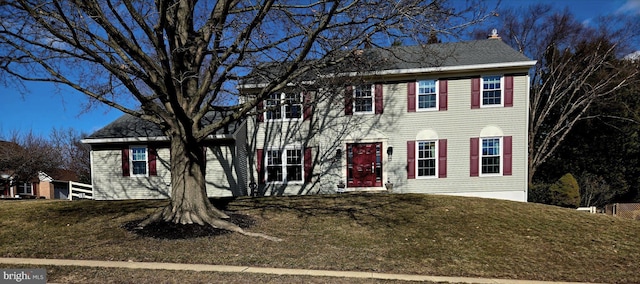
(173, 231)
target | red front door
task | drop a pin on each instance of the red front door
(364, 164)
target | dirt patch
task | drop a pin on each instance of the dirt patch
(172, 231)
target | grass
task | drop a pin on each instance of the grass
(89, 275)
(389, 233)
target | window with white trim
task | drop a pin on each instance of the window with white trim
(427, 95)
(139, 161)
(492, 91)
(283, 106)
(363, 96)
(491, 155)
(285, 165)
(427, 159)
(24, 188)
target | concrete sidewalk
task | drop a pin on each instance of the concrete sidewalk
(263, 270)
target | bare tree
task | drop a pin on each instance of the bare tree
(24, 156)
(577, 66)
(172, 62)
(75, 156)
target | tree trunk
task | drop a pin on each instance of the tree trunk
(189, 202)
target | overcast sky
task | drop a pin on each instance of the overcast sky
(45, 108)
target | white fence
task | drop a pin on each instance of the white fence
(80, 191)
(590, 209)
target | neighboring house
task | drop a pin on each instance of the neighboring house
(7, 174)
(55, 185)
(52, 185)
(447, 118)
(14, 188)
(130, 160)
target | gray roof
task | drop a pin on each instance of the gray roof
(128, 126)
(487, 51)
(477, 52)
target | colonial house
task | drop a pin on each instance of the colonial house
(449, 118)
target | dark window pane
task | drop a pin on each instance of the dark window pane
(139, 167)
(294, 173)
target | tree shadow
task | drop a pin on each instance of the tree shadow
(364, 208)
(173, 231)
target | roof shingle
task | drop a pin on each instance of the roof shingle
(128, 126)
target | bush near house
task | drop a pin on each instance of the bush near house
(538, 193)
(565, 192)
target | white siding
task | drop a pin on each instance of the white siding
(333, 130)
(458, 124)
(109, 184)
(221, 174)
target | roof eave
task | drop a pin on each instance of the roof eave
(123, 140)
(456, 68)
(413, 71)
(145, 139)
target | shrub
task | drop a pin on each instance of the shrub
(538, 193)
(565, 192)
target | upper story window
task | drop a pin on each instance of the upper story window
(272, 105)
(427, 95)
(139, 161)
(492, 91)
(491, 156)
(283, 106)
(427, 158)
(363, 99)
(284, 165)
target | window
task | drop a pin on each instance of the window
(363, 98)
(274, 165)
(284, 165)
(491, 156)
(292, 106)
(427, 94)
(283, 105)
(273, 109)
(24, 188)
(491, 91)
(139, 161)
(427, 157)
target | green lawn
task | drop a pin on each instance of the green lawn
(390, 233)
